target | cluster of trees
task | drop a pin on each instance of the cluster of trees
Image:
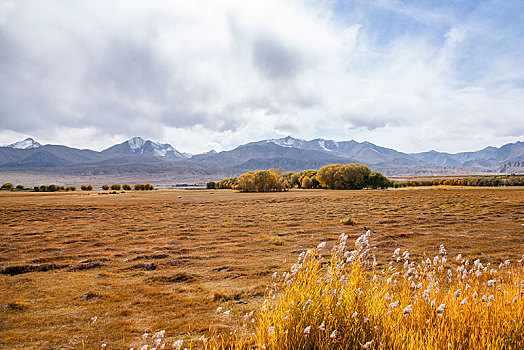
(485, 181)
(126, 187)
(7, 186)
(53, 188)
(334, 176)
(304, 179)
(144, 187)
(272, 180)
(43, 188)
(350, 177)
(229, 183)
(340, 177)
(262, 181)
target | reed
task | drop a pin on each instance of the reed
(345, 301)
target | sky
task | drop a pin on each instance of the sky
(410, 75)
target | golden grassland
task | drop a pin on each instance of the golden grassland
(167, 260)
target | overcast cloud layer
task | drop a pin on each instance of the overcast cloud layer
(412, 76)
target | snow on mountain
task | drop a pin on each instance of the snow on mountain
(288, 142)
(136, 143)
(317, 144)
(25, 144)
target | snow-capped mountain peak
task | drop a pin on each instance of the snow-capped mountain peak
(136, 143)
(288, 142)
(25, 144)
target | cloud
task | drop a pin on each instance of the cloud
(205, 74)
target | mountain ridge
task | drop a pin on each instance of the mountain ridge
(290, 153)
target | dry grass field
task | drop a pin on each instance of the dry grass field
(166, 260)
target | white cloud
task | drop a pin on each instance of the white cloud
(206, 74)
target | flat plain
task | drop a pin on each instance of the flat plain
(166, 260)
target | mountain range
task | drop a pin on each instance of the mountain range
(137, 155)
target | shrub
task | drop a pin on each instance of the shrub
(115, 187)
(344, 177)
(306, 182)
(52, 188)
(7, 186)
(105, 187)
(89, 187)
(308, 179)
(83, 187)
(294, 180)
(227, 183)
(377, 180)
(20, 187)
(126, 187)
(348, 220)
(148, 187)
(262, 181)
(211, 185)
(138, 187)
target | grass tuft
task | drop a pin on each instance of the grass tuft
(348, 220)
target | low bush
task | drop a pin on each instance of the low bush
(144, 187)
(7, 186)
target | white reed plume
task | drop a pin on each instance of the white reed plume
(457, 293)
(178, 344)
(159, 334)
(407, 310)
(307, 330)
(367, 345)
(441, 309)
(394, 304)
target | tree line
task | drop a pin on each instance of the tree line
(56, 188)
(475, 181)
(333, 176)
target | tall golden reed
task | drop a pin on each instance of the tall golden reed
(345, 301)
